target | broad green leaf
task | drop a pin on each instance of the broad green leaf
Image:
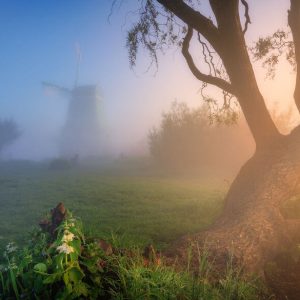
(40, 267)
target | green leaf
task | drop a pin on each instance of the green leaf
(13, 280)
(81, 289)
(38, 284)
(76, 244)
(75, 274)
(52, 278)
(73, 256)
(58, 261)
(40, 267)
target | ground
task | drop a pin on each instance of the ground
(140, 206)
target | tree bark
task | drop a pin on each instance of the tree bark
(235, 57)
(251, 226)
(294, 23)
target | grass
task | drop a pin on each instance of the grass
(135, 281)
(144, 208)
(43, 269)
(139, 208)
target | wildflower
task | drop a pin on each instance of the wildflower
(65, 248)
(68, 236)
(10, 247)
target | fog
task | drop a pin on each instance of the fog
(39, 46)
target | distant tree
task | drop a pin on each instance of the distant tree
(186, 139)
(9, 132)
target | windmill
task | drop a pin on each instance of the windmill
(82, 132)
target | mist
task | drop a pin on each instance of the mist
(123, 175)
(85, 49)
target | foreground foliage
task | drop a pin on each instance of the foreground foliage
(67, 265)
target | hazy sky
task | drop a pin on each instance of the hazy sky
(38, 41)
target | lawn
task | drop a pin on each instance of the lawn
(141, 207)
(136, 206)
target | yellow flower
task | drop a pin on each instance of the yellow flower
(65, 248)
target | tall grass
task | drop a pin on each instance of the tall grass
(133, 280)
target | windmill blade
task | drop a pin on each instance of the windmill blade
(78, 60)
(50, 89)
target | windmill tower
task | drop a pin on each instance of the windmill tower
(82, 133)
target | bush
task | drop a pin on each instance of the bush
(63, 163)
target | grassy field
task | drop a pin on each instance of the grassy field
(142, 207)
(138, 207)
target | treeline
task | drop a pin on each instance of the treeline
(9, 132)
(187, 140)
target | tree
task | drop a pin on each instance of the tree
(251, 223)
(187, 140)
(9, 132)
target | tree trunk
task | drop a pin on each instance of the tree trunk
(251, 226)
(294, 23)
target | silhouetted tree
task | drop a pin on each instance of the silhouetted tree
(9, 132)
(251, 223)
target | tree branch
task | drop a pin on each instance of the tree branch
(220, 83)
(194, 19)
(208, 56)
(247, 17)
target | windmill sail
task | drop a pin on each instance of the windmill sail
(50, 88)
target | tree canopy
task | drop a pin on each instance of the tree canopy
(165, 23)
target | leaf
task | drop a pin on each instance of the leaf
(52, 278)
(13, 280)
(38, 284)
(58, 261)
(75, 274)
(76, 244)
(81, 289)
(40, 267)
(73, 256)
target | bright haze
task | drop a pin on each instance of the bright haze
(42, 41)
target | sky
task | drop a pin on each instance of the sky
(38, 43)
